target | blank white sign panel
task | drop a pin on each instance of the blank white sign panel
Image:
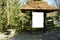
(37, 19)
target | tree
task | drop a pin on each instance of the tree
(57, 3)
(58, 6)
(3, 18)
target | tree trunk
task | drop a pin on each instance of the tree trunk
(7, 12)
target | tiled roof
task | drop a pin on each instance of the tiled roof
(38, 5)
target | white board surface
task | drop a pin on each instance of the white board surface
(37, 19)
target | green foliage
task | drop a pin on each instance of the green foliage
(17, 19)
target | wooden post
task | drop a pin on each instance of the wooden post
(44, 29)
(30, 21)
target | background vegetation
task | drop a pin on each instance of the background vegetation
(12, 17)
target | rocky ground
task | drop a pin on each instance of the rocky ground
(51, 35)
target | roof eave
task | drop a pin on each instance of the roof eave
(40, 10)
